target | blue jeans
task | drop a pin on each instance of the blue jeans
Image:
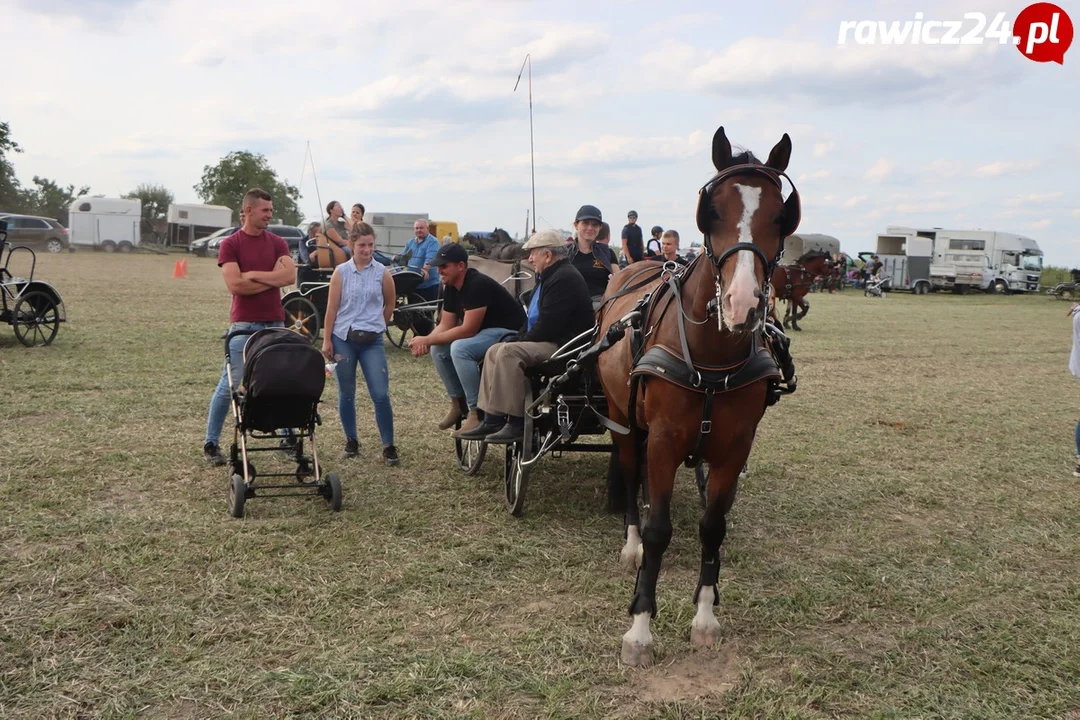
(372, 360)
(221, 400)
(1078, 439)
(458, 363)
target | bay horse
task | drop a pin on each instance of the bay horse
(692, 380)
(792, 283)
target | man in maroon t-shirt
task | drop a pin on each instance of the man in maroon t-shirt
(255, 264)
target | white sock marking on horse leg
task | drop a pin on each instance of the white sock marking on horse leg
(633, 550)
(705, 630)
(639, 632)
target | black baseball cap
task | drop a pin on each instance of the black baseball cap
(589, 212)
(450, 252)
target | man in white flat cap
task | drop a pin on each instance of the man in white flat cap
(559, 309)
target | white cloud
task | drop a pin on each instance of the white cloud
(817, 175)
(1000, 167)
(1033, 199)
(854, 201)
(879, 171)
(611, 151)
(821, 149)
(1044, 223)
(943, 168)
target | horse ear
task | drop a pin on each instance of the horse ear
(721, 150)
(780, 154)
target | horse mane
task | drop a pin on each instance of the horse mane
(745, 157)
(812, 254)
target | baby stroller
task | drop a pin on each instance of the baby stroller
(278, 399)
(876, 286)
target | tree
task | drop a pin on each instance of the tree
(236, 173)
(11, 193)
(49, 199)
(156, 200)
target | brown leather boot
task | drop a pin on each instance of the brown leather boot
(458, 410)
(471, 423)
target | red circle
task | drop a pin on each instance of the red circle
(1043, 32)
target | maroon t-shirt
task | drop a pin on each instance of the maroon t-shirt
(254, 252)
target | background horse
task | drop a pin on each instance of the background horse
(792, 283)
(713, 312)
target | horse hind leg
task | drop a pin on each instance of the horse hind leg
(723, 484)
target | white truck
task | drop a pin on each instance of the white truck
(1010, 262)
(190, 222)
(101, 223)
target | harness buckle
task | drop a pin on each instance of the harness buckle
(706, 427)
(696, 379)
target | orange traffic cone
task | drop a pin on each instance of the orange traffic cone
(179, 271)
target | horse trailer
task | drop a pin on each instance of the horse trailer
(393, 230)
(190, 222)
(101, 223)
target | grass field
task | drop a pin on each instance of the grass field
(907, 544)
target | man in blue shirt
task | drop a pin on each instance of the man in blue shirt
(421, 251)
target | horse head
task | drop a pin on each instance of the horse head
(745, 218)
(816, 262)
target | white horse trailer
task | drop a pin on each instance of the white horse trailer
(905, 254)
(798, 244)
(190, 222)
(393, 230)
(109, 224)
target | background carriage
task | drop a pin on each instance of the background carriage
(32, 307)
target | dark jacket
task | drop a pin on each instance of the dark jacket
(601, 251)
(566, 309)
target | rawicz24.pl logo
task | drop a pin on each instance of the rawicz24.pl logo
(1041, 32)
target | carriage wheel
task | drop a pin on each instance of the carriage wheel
(397, 332)
(35, 319)
(515, 474)
(470, 454)
(302, 317)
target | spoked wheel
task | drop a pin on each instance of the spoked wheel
(302, 317)
(397, 332)
(470, 455)
(516, 475)
(332, 492)
(36, 319)
(237, 496)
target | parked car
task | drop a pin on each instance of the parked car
(200, 246)
(33, 231)
(293, 236)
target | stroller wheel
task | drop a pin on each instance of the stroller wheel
(237, 496)
(332, 492)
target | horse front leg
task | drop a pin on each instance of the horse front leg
(629, 463)
(723, 484)
(637, 643)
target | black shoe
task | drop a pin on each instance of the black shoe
(352, 447)
(390, 455)
(479, 432)
(212, 453)
(508, 434)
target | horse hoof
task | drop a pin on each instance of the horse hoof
(636, 655)
(705, 637)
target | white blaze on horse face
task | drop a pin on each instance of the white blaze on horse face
(742, 295)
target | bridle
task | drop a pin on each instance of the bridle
(706, 214)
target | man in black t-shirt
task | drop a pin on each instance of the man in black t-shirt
(477, 312)
(632, 246)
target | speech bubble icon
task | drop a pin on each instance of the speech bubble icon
(1043, 32)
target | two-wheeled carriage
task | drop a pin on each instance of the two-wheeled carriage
(305, 307)
(33, 308)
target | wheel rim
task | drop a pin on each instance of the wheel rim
(36, 319)
(517, 475)
(54, 246)
(302, 317)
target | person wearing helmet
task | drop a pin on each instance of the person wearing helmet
(632, 246)
(654, 248)
(593, 259)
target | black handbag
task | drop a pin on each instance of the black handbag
(362, 337)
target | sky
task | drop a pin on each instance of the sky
(409, 106)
